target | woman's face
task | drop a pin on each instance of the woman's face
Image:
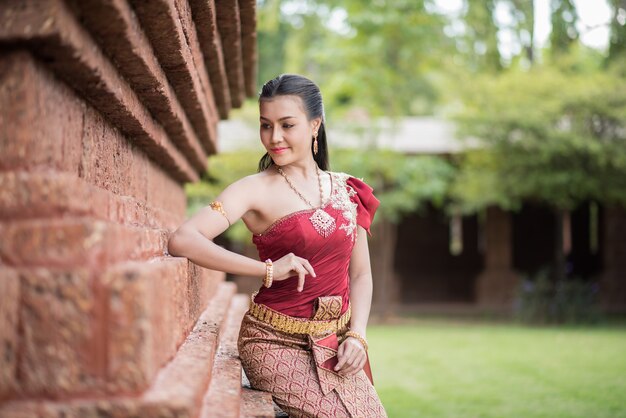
(285, 131)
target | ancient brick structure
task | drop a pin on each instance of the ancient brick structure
(106, 109)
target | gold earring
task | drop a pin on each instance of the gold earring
(315, 143)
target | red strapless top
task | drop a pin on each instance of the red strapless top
(352, 203)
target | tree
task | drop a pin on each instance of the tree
(564, 32)
(547, 136)
(617, 40)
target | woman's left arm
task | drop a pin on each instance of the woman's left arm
(352, 354)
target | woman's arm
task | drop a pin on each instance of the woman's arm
(351, 353)
(194, 238)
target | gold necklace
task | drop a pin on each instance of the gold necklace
(323, 223)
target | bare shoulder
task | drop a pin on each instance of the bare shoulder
(248, 189)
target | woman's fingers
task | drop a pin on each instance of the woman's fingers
(308, 266)
(351, 358)
(301, 274)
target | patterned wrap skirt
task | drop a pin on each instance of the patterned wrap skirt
(291, 368)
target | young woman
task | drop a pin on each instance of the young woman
(304, 337)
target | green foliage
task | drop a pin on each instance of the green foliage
(549, 136)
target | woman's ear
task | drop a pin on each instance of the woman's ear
(316, 123)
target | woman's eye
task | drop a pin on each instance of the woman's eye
(287, 126)
(265, 126)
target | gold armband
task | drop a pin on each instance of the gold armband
(217, 205)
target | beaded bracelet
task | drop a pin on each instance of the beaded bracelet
(358, 336)
(269, 273)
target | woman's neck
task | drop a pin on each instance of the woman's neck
(305, 170)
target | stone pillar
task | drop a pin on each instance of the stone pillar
(496, 285)
(613, 279)
(386, 296)
(106, 110)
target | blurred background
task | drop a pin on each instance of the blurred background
(494, 134)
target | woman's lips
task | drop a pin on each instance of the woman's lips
(278, 150)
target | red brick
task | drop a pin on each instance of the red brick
(78, 139)
(77, 243)
(127, 45)
(247, 11)
(228, 22)
(53, 32)
(183, 381)
(223, 399)
(163, 26)
(256, 404)
(152, 307)
(205, 16)
(9, 310)
(57, 354)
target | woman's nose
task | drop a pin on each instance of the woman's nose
(277, 134)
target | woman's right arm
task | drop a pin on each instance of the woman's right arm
(194, 238)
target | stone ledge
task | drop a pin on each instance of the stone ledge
(229, 25)
(27, 195)
(174, 47)
(77, 242)
(127, 45)
(209, 38)
(247, 10)
(52, 31)
(176, 391)
(223, 398)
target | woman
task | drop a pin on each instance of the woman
(303, 338)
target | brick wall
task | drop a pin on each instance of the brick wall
(106, 110)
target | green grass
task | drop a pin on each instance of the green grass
(439, 368)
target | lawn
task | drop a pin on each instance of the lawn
(443, 368)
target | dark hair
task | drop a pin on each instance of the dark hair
(309, 93)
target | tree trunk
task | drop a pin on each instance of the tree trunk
(559, 254)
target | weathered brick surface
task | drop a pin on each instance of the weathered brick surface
(96, 139)
(248, 44)
(26, 195)
(223, 399)
(50, 29)
(152, 307)
(9, 340)
(183, 381)
(205, 14)
(229, 24)
(44, 126)
(256, 404)
(117, 30)
(164, 28)
(77, 242)
(57, 351)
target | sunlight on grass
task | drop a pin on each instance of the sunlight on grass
(447, 369)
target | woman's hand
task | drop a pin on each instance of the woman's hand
(291, 265)
(352, 357)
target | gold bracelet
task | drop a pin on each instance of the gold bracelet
(269, 273)
(358, 336)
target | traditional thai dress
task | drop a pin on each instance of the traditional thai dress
(288, 339)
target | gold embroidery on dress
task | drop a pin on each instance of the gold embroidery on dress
(341, 201)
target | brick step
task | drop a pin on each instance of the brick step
(256, 404)
(51, 30)
(177, 390)
(54, 194)
(223, 398)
